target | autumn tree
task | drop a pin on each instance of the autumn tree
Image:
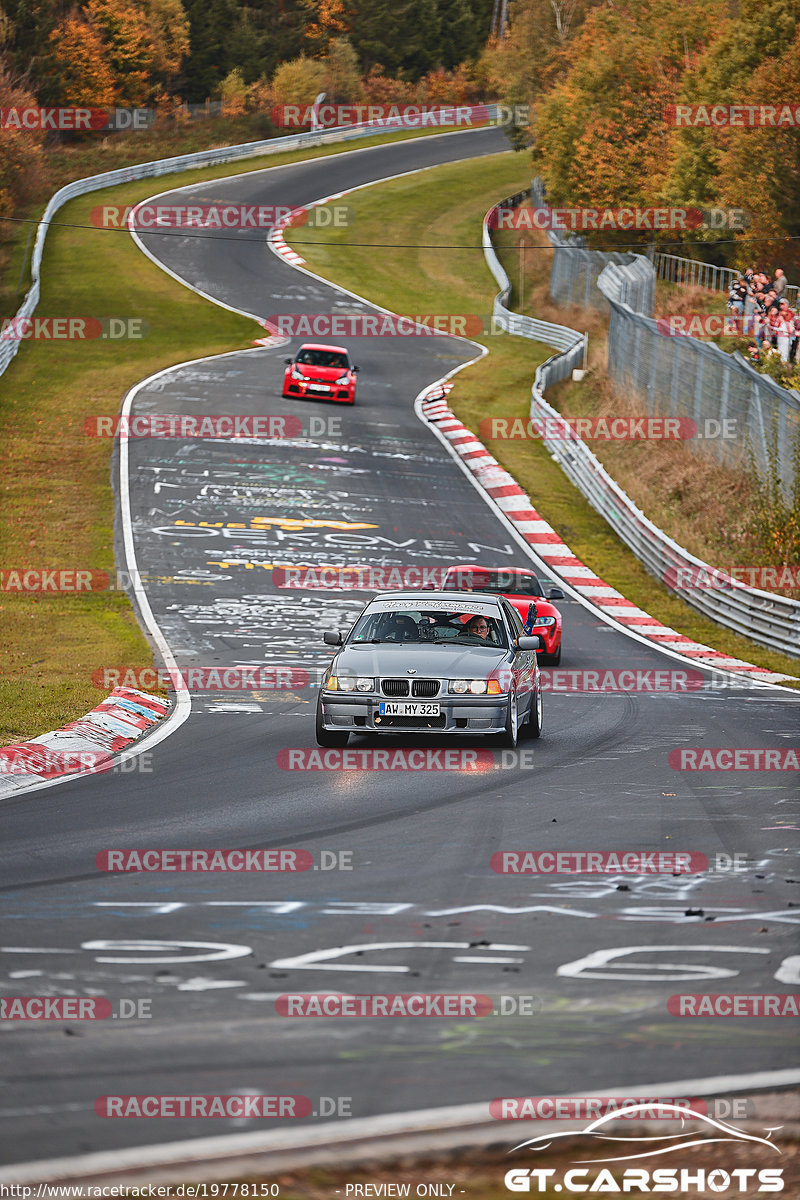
(462, 33)
(81, 69)
(326, 20)
(601, 137)
(342, 76)
(299, 81)
(22, 161)
(735, 69)
(759, 171)
(27, 41)
(119, 51)
(530, 56)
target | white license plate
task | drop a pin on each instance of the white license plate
(318, 387)
(408, 709)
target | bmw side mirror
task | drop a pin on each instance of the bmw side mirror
(555, 593)
(530, 642)
(332, 639)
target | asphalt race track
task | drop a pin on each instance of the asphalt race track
(419, 908)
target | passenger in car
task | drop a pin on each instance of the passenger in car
(400, 628)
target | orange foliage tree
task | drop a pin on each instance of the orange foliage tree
(601, 135)
(79, 53)
(120, 51)
(22, 164)
(327, 19)
(759, 171)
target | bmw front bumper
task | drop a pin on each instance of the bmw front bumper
(459, 714)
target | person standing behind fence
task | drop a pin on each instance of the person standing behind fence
(779, 286)
(783, 332)
(737, 297)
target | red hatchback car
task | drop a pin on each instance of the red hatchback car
(522, 588)
(321, 373)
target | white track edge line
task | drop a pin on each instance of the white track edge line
(193, 1152)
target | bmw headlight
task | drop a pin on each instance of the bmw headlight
(477, 687)
(545, 621)
(350, 683)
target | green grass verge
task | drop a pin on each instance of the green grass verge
(57, 504)
(444, 210)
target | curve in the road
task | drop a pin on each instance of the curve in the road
(208, 521)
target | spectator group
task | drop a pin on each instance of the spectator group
(767, 315)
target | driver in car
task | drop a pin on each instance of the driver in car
(478, 626)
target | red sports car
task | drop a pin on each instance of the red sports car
(322, 373)
(522, 588)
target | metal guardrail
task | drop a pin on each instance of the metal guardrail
(575, 270)
(688, 377)
(674, 269)
(183, 162)
(768, 619)
(680, 375)
(559, 336)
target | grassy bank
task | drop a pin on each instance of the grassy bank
(399, 215)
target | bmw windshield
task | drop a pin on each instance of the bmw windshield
(431, 626)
